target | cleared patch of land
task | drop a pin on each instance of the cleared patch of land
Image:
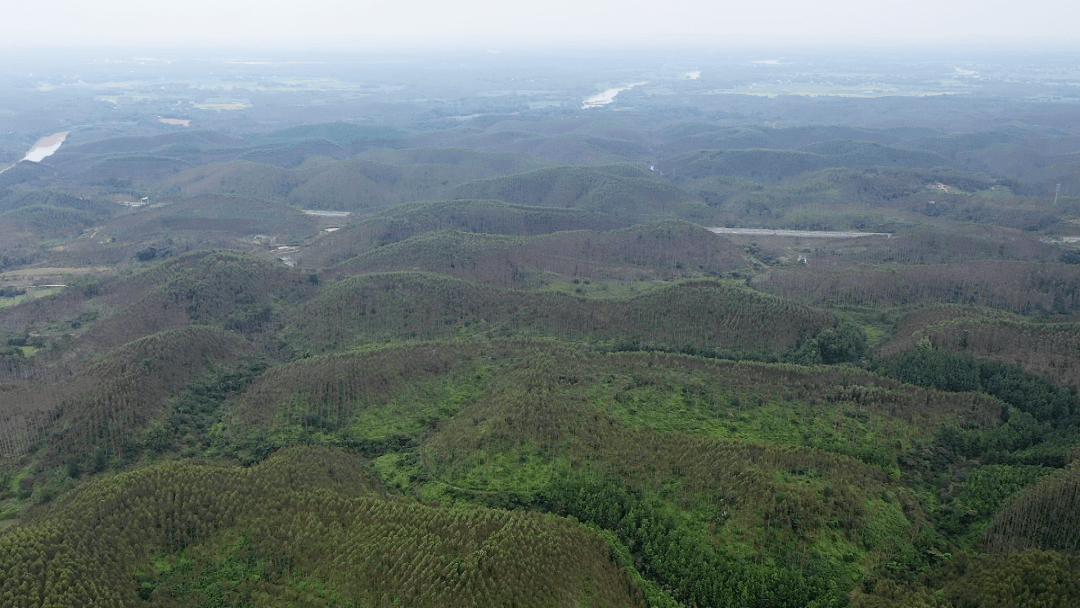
(48, 277)
(326, 213)
(32, 291)
(330, 220)
(820, 234)
(46, 146)
(608, 96)
(224, 105)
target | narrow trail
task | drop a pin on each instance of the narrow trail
(6, 168)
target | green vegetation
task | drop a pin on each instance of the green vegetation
(618, 189)
(523, 372)
(184, 542)
(1041, 423)
(379, 307)
(339, 133)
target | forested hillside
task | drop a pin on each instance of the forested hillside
(408, 346)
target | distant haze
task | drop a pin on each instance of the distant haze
(499, 24)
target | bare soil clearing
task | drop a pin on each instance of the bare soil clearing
(46, 146)
(821, 234)
(47, 277)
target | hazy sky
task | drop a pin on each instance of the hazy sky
(505, 23)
